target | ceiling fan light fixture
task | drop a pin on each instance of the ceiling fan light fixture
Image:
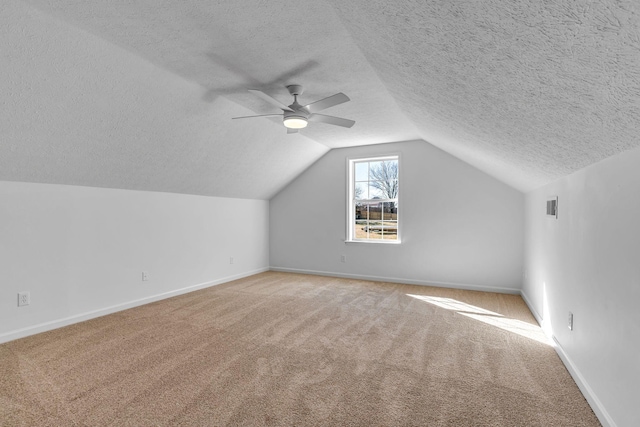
(295, 122)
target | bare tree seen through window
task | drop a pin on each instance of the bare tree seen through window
(384, 177)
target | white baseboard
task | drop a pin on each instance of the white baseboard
(55, 324)
(531, 308)
(597, 406)
(400, 280)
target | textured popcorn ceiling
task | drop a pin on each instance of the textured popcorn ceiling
(140, 94)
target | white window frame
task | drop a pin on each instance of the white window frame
(350, 229)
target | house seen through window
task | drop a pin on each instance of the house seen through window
(373, 196)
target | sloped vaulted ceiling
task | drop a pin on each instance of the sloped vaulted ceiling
(140, 95)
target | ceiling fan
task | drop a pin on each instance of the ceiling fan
(296, 116)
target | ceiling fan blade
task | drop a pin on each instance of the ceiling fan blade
(261, 115)
(331, 120)
(336, 99)
(270, 100)
(292, 130)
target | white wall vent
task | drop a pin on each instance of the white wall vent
(552, 207)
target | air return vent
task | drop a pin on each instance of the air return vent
(552, 207)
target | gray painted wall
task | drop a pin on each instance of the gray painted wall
(81, 251)
(460, 227)
(587, 262)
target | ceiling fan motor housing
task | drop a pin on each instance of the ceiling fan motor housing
(297, 113)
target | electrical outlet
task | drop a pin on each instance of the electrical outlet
(145, 276)
(343, 258)
(230, 260)
(570, 324)
(24, 298)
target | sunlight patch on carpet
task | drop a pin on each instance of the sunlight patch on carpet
(488, 317)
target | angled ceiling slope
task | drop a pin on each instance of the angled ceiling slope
(527, 91)
(140, 94)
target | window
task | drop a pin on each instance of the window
(373, 200)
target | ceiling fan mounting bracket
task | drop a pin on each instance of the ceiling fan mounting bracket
(295, 90)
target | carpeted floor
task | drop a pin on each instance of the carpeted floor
(290, 349)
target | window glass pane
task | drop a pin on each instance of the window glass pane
(360, 230)
(390, 231)
(389, 211)
(384, 170)
(375, 230)
(361, 211)
(362, 171)
(361, 190)
(375, 169)
(386, 189)
(375, 211)
(375, 193)
(393, 186)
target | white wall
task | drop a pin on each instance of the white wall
(460, 227)
(81, 251)
(588, 262)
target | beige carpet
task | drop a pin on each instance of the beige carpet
(288, 349)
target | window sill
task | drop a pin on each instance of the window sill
(375, 242)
